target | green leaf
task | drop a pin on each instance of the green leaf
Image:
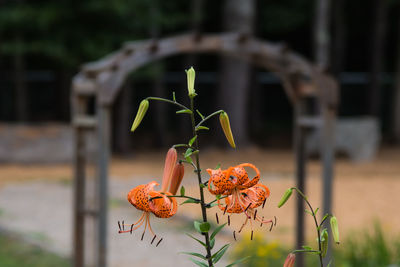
(182, 190)
(202, 227)
(213, 205)
(187, 111)
(309, 212)
(216, 231)
(307, 247)
(218, 197)
(202, 186)
(325, 217)
(194, 254)
(218, 166)
(212, 243)
(198, 128)
(238, 261)
(198, 263)
(316, 210)
(192, 140)
(218, 255)
(189, 160)
(189, 200)
(201, 115)
(173, 96)
(188, 153)
(201, 242)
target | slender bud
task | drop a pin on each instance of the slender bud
(324, 242)
(285, 197)
(144, 105)
(191, 74)
(335, 229)
(289, 262)
(170, 161)
(177, 176)
(226, 127)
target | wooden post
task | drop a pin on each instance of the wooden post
(327, 154)
(300, 163)
(104, 126)
(79, 106)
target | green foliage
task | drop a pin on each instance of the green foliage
(14, 253)
(371, 249)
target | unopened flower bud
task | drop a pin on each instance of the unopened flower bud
(285, 197)
(289, 262)
(335, 229)
(170, 161)
(144, 105)
(226, 127)
(177, 176)
(324, 242)
(191, 75)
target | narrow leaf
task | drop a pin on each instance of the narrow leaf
(202, 227)
(192, 140)
(188, 152)
(218, 255)
(198, 263)
(217, 230)
(198, 128)
(182, 111)
(173, 96)
(309, 212)
(238, 261)
(316, 210)
(218, 166)
(195, 254)
(201, 242)
(201, 115)
(212, 243)
(187, 201)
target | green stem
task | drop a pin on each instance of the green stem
(305, 250)
(208, 117)
(215, 200)
(316, 223)
(198, 171)
(167, 100)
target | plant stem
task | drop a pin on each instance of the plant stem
(316, 224)
(208, 117)
(167, 100)
(202, 203)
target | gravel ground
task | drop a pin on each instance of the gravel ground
(36, 201)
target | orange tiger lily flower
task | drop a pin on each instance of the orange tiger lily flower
(145, 198)
(233, 178)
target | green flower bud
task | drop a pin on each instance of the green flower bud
(285, 197)
(324, 242)
(226, 127)
(335, 229)
(144, 105)
(191, 75)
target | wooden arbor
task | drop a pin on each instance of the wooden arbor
(103, 79)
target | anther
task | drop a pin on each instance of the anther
(248, 206)
(251, 238)
(216, 216)
(255, 214)
(226, 207)
(123, 226)
(132, 228)
(229, 220)
(265, 200)
(262, 221)
(153, 239)
(119, 226)
(159, 242)
(234, 235)
(142, 236)
(272, 225)
(275, 221)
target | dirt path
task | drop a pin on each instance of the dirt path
(36, 200)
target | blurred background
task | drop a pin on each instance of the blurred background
(43, 44)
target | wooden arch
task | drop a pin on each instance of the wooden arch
(103, 79)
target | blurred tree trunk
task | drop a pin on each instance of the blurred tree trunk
(238, 15)
(322, 34)
(377, 54)
(339, 37)
(21, 108)
(396, 98)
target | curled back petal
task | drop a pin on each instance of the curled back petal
(164, 206)
(138, 196)
(255, 179)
